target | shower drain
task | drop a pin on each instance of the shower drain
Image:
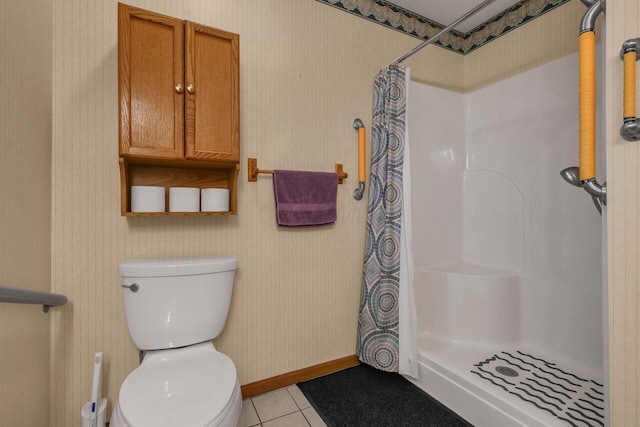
(575, 400)
(507, 372)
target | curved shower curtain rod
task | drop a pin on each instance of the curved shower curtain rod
(443, 31)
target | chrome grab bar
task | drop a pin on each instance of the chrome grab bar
(584, 176)
(27, 296)
(359, 192)
(630, 54)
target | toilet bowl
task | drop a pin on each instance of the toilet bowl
(173, 309)
(190, 386)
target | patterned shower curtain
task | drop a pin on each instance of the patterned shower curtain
(378, 323)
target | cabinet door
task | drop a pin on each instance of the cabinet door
(212, 112)
(150, 68)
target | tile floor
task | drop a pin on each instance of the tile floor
(286, 407)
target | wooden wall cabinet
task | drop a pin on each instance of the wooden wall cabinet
(178, 85)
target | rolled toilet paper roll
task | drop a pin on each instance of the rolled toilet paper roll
(215, 200)
(184, 199)
(146, 198)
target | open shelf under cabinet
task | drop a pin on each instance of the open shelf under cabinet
(177, 173)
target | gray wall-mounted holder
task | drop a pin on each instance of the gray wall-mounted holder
(27, 296)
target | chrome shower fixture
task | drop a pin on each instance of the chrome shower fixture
(588, 3)
(571, 175)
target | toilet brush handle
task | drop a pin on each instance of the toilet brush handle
(95, 386)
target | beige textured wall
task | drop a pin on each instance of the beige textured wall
(623, 158)
(306, 73)
(25, 210)
(542, 40)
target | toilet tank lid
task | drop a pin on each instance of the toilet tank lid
(176, 266)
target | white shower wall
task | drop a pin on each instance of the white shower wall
(437, 120)
(487, 191)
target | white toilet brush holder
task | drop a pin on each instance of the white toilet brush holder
(93, 412)
(101, 418)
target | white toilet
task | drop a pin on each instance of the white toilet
(174, 308)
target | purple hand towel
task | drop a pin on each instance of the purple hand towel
(305, 198)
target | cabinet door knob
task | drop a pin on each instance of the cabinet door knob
(191, 88)
(179, 88)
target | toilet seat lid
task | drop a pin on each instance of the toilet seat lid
(179, 387)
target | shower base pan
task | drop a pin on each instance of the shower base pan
(506, 386)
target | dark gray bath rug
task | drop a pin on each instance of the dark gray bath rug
(363, 396)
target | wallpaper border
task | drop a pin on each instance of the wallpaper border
(395, 17)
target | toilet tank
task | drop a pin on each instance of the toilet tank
(177, 302)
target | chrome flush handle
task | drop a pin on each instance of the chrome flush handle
(134, 287)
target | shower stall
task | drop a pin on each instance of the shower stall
(509, 282)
